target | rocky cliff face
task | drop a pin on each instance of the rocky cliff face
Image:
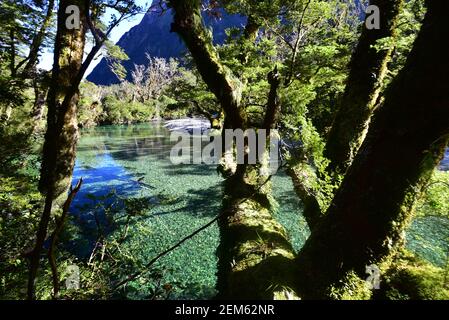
(153, 36)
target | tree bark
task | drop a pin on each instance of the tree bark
(367, 71)
(62, 128)
(303, 178)
(188, 23)
(406, 141)
(55, 236)
(255, 256)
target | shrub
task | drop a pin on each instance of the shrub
(119, 112)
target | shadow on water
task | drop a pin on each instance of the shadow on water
(105, 182)
(201, 203)
(189, 169)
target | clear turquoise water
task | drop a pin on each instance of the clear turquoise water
(133, 161)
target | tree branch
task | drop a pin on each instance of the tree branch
(188, 23)
(55, 235)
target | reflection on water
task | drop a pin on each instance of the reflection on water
(101, 148)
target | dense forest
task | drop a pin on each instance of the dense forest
(356, 94)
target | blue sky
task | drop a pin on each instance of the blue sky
(46, 61)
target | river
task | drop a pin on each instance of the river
(119, 162)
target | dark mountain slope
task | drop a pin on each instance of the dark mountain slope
(153, 36)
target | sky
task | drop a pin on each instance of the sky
(46, 61)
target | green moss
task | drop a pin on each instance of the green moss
(435, 200)
(352, 287)
(412, 278)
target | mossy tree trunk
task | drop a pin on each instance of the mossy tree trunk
(188, 23)
(368, 67)
(254, 249)
(255, 255)
(304, 179)
(367, 218)
(367, 71)
(62, 127)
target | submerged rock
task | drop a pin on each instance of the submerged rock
(188, 125)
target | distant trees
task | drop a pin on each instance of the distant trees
(21, 42)
(151, 80)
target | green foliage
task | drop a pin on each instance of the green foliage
(17, 33)
(90, 108)
(20, 207)
(114, 56)
(11, 91)
(328, 32)
(435, 200)
(409, 24)
(20, 18)
(351, 288)
(19, 150)
(20, 202)
(118, 112)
